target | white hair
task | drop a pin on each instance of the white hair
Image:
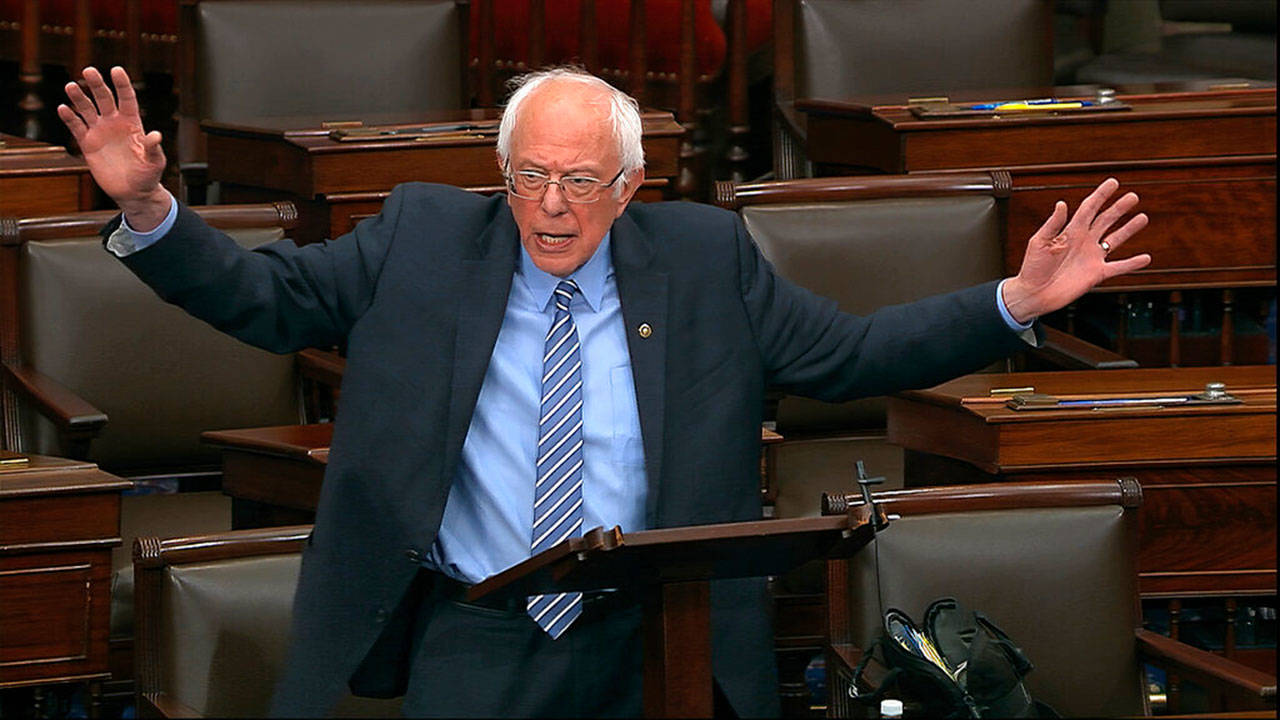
(624, 113)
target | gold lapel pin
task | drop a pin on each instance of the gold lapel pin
(645, 330)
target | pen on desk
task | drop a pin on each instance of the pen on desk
(1043, 104)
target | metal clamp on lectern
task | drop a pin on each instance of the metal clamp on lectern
(838, 503)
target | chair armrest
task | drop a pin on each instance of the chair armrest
(323, 366)
(68, 411)
(1072, 353)
(1205, 667)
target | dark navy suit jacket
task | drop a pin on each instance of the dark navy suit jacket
(417, 296)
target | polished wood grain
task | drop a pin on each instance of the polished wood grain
(334, 181)
(677, 651)
(41, 179)
(890, 138)
(1202, 160)
(59, 520)
(1212, 220)
(1208, 523)
(671, 568)
(273, 474)
(283, 467)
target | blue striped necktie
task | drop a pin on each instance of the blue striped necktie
(557, 495)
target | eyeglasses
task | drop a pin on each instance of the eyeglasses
(532, 185)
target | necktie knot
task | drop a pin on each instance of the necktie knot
(564, 294)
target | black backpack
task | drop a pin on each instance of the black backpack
(959, 664)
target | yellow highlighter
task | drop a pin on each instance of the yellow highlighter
(1038, 107)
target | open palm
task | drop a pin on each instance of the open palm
(126, 161)
(1067, 257)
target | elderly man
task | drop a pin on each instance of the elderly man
(522, 367)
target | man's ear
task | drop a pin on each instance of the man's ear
(633, 179)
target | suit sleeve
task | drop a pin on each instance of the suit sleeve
(279, 297)
(808, 347)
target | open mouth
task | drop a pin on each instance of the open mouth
(552, 241)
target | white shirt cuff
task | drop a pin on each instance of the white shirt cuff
(126, 241)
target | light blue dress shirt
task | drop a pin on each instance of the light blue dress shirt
(488, 518)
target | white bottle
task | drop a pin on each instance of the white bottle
(891, 708)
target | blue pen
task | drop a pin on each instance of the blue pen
(1042, 101)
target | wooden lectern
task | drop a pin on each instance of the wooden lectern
(671, 570)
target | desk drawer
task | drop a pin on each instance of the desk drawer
(56, 614)
(59, 520)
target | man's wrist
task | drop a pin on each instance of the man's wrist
(145, 215)
(1009, 302)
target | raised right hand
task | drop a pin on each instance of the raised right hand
(125, 160)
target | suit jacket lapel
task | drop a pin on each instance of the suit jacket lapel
(642, 289)
(482, 289)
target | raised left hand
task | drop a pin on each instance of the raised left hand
(1067, 258)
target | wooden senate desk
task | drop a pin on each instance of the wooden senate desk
(1208, 520)
(339, 172)
(273, 474)
(59, 520)
(41, 179)
(1201, 156)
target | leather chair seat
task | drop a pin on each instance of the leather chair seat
(864, 254)
(160, 515)
(224, 636)
(1061, 581)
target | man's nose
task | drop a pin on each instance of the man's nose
(553, 201)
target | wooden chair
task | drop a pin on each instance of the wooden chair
(871, 241)
(840, 48)
(322, 59)
(96, 367)
(865, 242)
(1054, 564)
(213, 616)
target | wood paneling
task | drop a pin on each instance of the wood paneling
(40, 179)
(58, 522)
(1208, 518)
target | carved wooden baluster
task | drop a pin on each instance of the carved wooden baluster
(485, 69)
(739, 113)
(1175, 344)
(1228, 326)
(687, 183)
(637, 72)
(29, 72)
(1175, 622)
(133, 50)
(82, 37)
(1122, 324)
(588, 38)
(537, 33)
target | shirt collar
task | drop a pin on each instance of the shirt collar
(591, 277)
